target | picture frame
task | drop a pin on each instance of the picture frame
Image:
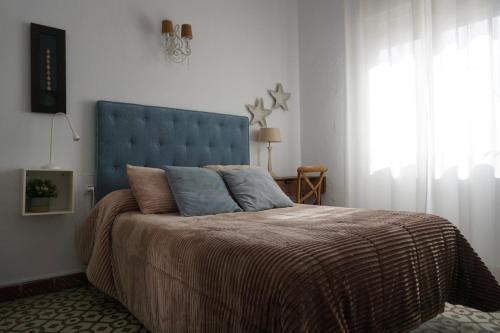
(48, 69)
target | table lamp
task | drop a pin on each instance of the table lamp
(270, 135)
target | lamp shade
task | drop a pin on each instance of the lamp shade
(167, 27)
(187, 31)
(270, 134)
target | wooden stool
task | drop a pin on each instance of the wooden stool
(315, 189)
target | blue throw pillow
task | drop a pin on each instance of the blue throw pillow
(199, 191)
(254, 189)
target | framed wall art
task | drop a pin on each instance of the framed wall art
(48, 69)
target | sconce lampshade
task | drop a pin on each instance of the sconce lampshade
(167, 27)
(187, 31)
(270, 134)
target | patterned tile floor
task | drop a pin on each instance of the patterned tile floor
(74, 310)
(88, 310)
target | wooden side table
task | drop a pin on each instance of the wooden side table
(289, 185)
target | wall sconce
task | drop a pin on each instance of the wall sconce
(177, 39)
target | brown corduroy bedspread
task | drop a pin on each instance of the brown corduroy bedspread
(298, 269)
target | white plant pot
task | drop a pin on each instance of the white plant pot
(39, 205)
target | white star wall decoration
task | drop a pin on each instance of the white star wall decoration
(280, 97)
(259, 113)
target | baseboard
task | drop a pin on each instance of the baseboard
(43, 286)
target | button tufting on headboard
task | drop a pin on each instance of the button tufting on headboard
(156, 136)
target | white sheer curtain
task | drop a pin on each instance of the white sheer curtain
(423, 112)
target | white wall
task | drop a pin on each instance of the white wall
(241, 48)
(322, 94)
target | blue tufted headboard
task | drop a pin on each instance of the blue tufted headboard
(156, 136)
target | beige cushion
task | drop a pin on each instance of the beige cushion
(221, 168)
(151, 190)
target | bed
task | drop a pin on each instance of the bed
(297, 269)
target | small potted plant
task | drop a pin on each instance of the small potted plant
(39, 192)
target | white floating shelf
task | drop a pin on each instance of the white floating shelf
(63, 179)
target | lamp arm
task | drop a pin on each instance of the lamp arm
(76, 137)
(51, 139)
